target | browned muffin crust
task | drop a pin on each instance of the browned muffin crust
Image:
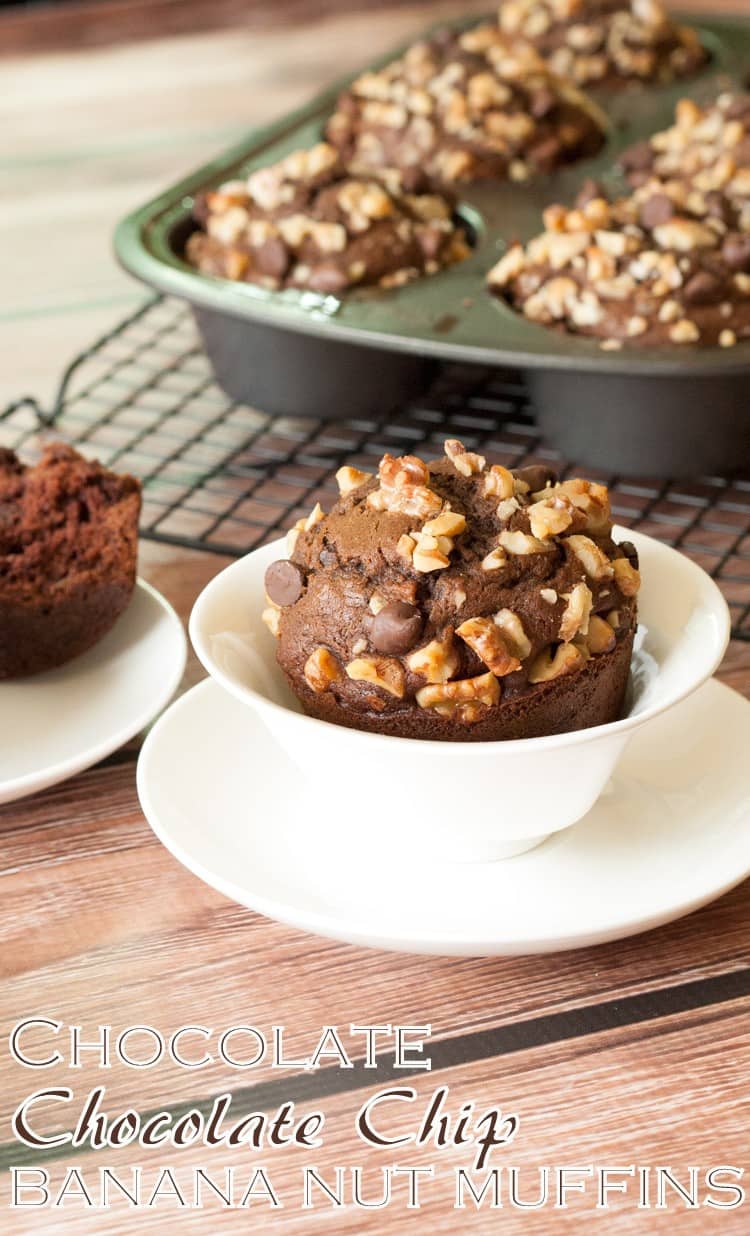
(457, 601)
(68, 542)
(462, 107)
(659, 267)
(306, 222)
(608, 43)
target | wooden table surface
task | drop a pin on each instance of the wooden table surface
(632, 1053)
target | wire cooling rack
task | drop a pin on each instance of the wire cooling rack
(220, 476)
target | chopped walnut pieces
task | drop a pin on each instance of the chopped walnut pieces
(384, 672)
(521, 543)
(550, 516)
(405, 547)
(447, 698)
(376, 603)
(494, 560)
(592, 500)
(516, 639)
(437, 661)
(627, 578)
(321, 669)
(430, 553)
(613, 618)
(486, 640)
(316, 515)
(576, 616)
(404, 488)
(592, 558)
(499, 482)
(348, 479)
(549, 595)
(507, 508)
(448, 523)
(600, 636)
(465, 462)
(271, 617)
(548, 665)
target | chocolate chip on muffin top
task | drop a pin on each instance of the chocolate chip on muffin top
(437, 598)
(605, 42)
(305, 222)
(462, 107)
(657, 267)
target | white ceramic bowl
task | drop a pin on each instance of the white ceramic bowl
(468, 801)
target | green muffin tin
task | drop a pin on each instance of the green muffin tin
(678, 410)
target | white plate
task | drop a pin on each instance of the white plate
(670, 833)
(54, 725)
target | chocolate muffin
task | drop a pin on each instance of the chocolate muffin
(649, 270)
(704, 156)
(457, 601)
(608, 43)
(306, 222)
(463, 107)
(68, 542)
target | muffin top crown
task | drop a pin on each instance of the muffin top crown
(450, 584)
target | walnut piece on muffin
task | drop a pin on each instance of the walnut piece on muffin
(457, 600)
(306, 222)
(605, 42)
(704, 155)
(650, 269)
(68, 545)
(463, 107)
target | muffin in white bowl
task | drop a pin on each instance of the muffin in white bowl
(472, 801)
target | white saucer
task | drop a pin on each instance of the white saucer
(670, 833)
(56, 724)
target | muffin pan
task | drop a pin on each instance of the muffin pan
(679, 410)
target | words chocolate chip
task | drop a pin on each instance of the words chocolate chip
(736, 251)
(396, 628)
(703, 288)
(284, 582)
(656, 210)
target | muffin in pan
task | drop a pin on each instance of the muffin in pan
(457, 600)
(649, 269)
(608, 43)
(306, 222)
(68, 545)
(705, 153)
(464, 107)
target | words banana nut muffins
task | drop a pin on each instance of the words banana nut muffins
(68, 542)
(457, 600)
(305, 222)
(462, 107)
(605, 42)
(705, 153)
(649, 269)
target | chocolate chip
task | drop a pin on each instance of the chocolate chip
(738, 108)
(327, 279)
(719, 207)
(588, 192)
(542, 102)
(703, 288)
(272, 257)
(284, 582)
(630, 552)
(637, 158)
(536, 476)
(430, 241)
(741, 153)
(546, 153)
(736, 251)
(396, 628)
(656, 210)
